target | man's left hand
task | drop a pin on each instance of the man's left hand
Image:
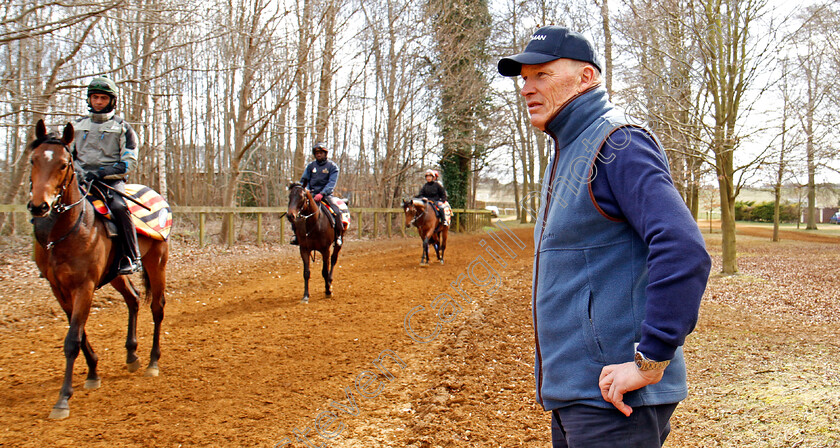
(91, 176)
(318, 197)
(618, 379)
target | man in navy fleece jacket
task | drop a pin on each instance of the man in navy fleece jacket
(620, 265)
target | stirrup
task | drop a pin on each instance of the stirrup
(130, 267)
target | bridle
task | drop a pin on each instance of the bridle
(58, 206)
(417, 216)
(302, 216)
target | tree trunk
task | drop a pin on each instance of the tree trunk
(605, 20)
(323, 117)
(302, 78)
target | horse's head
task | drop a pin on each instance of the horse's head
(410, 212)
(52, 168)
(299, 200)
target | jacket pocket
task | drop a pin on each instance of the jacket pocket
(591, 337)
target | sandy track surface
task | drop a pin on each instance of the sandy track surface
(244, 364)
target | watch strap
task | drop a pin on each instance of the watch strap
(643, 363)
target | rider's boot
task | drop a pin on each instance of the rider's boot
(441, 215)
(339, 229)
(130, 263)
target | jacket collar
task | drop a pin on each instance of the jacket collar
(101, 118)
(577, 114)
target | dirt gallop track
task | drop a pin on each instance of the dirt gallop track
(245, 364)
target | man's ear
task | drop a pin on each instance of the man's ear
(588, 76)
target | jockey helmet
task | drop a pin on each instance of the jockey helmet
(319, 146)
(431, 172)
(102, 84)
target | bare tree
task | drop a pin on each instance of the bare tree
(810, 41)
(731, 59)
(40, 72)
(785, 143)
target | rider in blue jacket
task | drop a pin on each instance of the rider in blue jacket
(321, 176)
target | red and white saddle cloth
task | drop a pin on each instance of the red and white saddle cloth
(156, 223)
(345, 210)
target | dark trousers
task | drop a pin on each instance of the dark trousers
(122, 217)
(581, 426)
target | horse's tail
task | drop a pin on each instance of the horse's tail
(147, 286)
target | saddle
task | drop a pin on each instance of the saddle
(343, 210)
(155, 224)
(439, 210)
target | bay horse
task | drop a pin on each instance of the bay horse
(74, 253)
(314, 233)
(421, 214)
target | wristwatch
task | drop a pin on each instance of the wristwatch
(646, 364)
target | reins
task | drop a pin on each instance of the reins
(303, 217)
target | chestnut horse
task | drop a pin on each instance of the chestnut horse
(314, 232)
(75, 253)
(421, 214)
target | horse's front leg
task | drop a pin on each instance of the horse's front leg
(77, 310)
(424, 259)
(304, 254)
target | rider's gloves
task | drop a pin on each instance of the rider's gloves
(318, 197)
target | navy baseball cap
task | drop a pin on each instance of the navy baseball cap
(549, 43)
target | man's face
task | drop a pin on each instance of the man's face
(320, 155)
(547, 88)
(99, 101)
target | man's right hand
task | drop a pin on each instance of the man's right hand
(618, 379)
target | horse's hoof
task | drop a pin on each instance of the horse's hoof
(58, 414)
(152, 372)
(328, 294)
(304, 300)
(93, 384)
(133, 366)
(424, 265)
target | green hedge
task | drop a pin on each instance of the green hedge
(763, 212)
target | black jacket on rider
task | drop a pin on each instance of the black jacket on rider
(433, 191)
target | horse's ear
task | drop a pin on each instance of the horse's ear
(40, 130)
(68, 135)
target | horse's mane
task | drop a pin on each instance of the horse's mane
(295, 184)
